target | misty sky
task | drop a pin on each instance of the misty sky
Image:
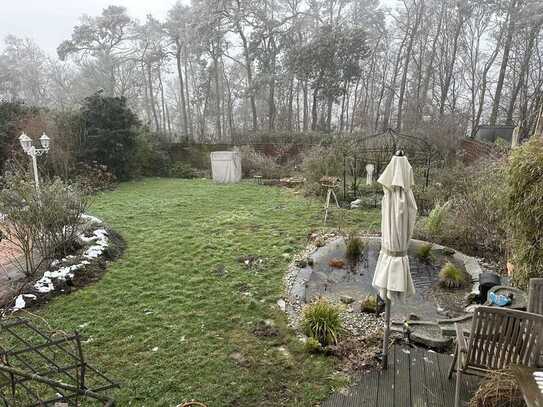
(49, 22)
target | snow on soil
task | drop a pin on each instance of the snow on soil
(98, 242)
(20, 301)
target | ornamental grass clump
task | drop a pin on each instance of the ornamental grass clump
(321, 321)
(355, 247)
(424, 253)
(436, 219)
(451, 276)
(499, 389)
(525, 211)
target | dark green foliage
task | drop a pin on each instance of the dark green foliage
(151, 157)
(321, 321)
(109, 134)
(525, 210)
(12, 116)
(182, 170)
(332, 58)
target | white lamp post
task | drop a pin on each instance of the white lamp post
(33, 152)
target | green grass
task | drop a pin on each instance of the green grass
(177, 233)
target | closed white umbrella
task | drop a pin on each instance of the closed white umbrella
(392, 277)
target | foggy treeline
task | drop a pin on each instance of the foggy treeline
(218, 69)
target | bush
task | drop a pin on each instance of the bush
(14, 118)
(255, 163)
(109, 134)
(436, 218)
(320, 162)
(525, 211)
(474, 218)
(151, 157)
(182, 170)
(42, 224)
(322, 322)
(425, 197)
(451, 276)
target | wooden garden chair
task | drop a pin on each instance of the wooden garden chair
(535, 303)
(535, 296)
(499, 337)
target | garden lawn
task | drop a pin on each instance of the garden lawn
(170, 328)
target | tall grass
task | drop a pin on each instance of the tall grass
(321, 321)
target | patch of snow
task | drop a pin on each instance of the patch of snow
(44, 285)
(100, 240)
(20, 302)
(90, 218)
(63, 272)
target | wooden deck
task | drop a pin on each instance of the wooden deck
(415, 378)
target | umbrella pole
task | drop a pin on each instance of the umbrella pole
(387, 333)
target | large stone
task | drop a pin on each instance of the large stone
(346, 299)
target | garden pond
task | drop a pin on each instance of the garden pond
(352, 282)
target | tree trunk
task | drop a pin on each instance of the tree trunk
(181, 88)
(430, 65)
(250, 83)
(450, 65)
(406, 66)
(329, 114)
(505, 62)
(305, 115)
(314, 114)
(534, 31)
(189, 109)
(218, 113)
(152, 96)
(390, 96)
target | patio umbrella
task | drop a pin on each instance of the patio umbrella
(392, 277)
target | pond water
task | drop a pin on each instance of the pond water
(431, 302)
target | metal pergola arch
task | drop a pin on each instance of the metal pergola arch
(378, 148)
